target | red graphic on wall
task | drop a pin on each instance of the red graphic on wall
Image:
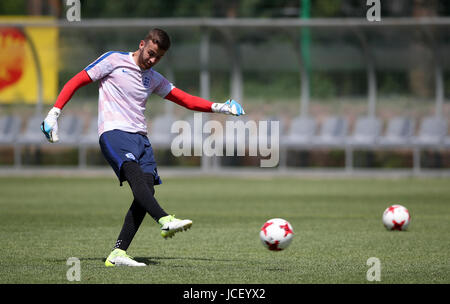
(12, 56)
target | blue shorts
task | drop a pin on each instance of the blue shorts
(119, 146)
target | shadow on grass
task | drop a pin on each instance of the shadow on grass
(151, 260)
(193, 259)
(145, 260)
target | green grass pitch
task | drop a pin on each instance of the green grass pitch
(337, 225)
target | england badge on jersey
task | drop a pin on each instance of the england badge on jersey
(146, 81)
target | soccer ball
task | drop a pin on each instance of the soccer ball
(276, 234)
(396, 217)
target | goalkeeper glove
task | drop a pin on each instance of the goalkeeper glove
(50, 125)
(229, 107)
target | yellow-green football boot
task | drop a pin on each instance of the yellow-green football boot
(119, 257)
(171, 225)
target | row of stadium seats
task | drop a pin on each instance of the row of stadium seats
(303, 133)
(367, 134)
(367, 131)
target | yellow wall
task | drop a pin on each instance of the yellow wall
(18, 74)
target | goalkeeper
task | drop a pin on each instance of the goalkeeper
(126, 79)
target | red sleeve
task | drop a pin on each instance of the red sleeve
(79, 80)
(189, 101)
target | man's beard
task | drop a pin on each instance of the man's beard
(144, 65)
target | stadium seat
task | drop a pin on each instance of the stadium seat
(32, 133)
(432, 132)
(160, 130)
(365, 135)
(332, 132)
(90, 137)
(70, 130)
(9, 129)
(87, 140)
(270, 122)
(195, 137)
(398, 133)
(447, 141)
(300, 134)
(242, 137)
(366, 132)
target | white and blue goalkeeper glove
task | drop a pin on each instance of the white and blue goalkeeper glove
(50, 125)
(230, 107)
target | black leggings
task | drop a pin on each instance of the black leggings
(142, 186)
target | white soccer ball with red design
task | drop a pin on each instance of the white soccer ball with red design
(396, 217)
(276, 234)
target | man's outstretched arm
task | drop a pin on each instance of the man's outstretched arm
(202, 105)
(50, 124)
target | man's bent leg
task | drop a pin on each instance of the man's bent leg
(133, 219)
(141, 191)
(144, 196)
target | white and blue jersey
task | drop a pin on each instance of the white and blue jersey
(123, 91)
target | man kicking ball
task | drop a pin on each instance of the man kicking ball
(126, 79)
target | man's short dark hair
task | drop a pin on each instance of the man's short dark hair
(159, 37)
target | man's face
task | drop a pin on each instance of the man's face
(150, 54)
